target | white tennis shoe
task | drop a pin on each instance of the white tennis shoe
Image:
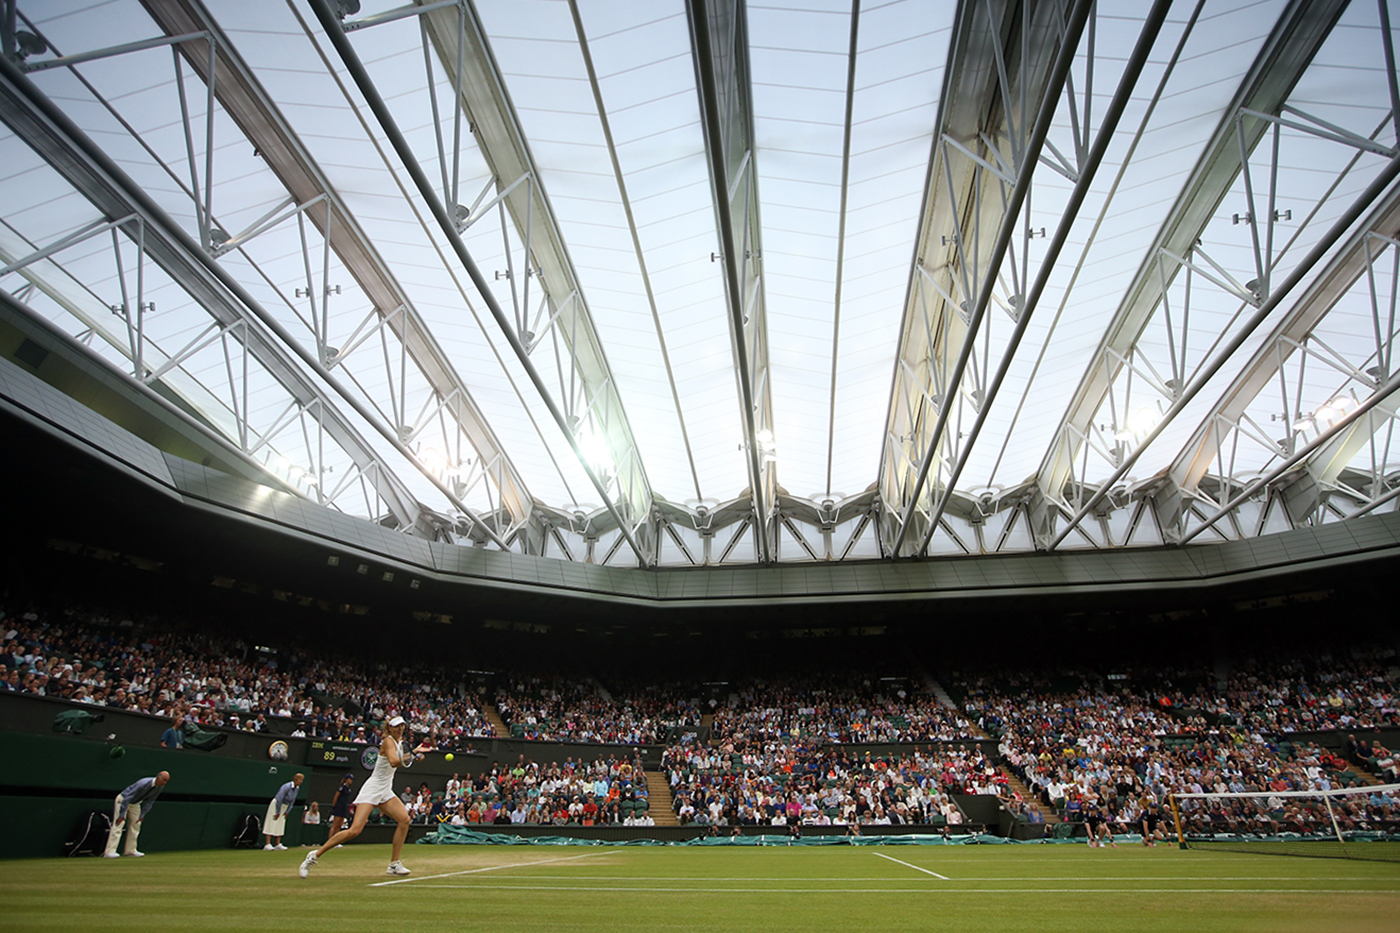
(307, 864)
(396, 868)
(279, 848)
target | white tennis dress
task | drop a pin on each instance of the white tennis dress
(380, 786)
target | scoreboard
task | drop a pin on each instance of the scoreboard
(327, 753)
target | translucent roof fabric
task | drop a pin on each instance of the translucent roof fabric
(583, 365)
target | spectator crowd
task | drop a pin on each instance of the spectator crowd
(772, 750)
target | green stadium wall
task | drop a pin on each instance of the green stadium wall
(53, 780)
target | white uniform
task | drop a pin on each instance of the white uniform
(380, 786)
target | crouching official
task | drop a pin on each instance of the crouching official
(130, 809)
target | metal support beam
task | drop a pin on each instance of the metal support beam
(257, 116)
(1295, 40)
(1334, 234)
(629, 525)
(1088, 169)
(1323, 293)
(37, 121)
(719, 46)
(975, 272)
(459, 38)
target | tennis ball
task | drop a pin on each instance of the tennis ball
(449, 756)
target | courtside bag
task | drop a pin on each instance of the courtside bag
(89, 836)
(246, 831)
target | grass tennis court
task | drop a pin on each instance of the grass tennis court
(963, 888)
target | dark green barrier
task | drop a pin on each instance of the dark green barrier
(40, 825)
(64, 762)
(53, 780)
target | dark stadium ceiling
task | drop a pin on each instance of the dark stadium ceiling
(665, 282)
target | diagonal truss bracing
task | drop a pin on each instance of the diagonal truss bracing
(248, 104)
(1309, 467)
(595, 418)
(1087, 163)
(34, 119)
(1007, 68)
(719, 45)
(1295, 40)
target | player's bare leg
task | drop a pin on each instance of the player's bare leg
(345, 835)
(395, 810)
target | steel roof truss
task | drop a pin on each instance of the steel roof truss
(719, 46)
(1283, 360)
(523, 208)
(35, 121)
(1263, 298)
(982, 197)
(1295, 39)
(455, 33)
(1027, 294)
(230, 81)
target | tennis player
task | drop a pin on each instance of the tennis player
(378, 791)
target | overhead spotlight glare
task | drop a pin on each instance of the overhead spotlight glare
(764, 437)
(593, 444)
(435, 460)
(1143, 420)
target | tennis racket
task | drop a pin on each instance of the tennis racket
(405, 754)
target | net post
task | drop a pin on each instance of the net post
(1176, 818)
(1327, 801)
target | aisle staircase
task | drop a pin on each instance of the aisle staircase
(494, 718)
(659, 795)
(940, 694)
(1016, 784)
(1366, 777)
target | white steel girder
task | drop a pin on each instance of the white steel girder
(35, 119)
(1297, 36)
(1006, 71)
(719, 45)
(1230, 424)
(586, 405)
(249, 105)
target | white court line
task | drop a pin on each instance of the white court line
(1084, 879)
(940, 889)
(915, 867)
(473, 871)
